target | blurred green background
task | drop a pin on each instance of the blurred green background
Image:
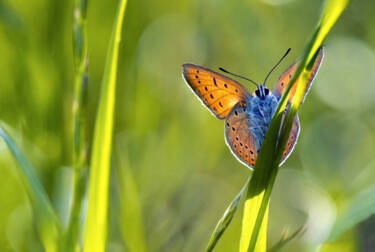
(184, 174)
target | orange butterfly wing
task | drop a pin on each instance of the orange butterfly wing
(216, 91)
(241, 141)
(238, 137)
(284, 79)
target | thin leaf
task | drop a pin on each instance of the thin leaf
(46, 219)
(285, 238)
(266, 168)
(96, 222)
(226, 219)
(358, 209)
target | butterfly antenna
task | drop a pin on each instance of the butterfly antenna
(225, 71)
(264, 83)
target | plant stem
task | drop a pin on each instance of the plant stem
(79, 117)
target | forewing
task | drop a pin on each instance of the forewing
(238, 136)
(284, 79)
(216, 91)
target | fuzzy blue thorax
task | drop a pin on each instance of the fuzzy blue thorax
(260, 110)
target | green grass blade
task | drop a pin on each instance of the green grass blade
(96, 221)
(225, 220)
(131, 222)
(266, 168)
(357, 209)
(79, 106)
(46, 219)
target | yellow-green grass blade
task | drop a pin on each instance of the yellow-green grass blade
(131, 221)
(260, 187)
(266, 168)
(79, 112)
(96, 220)
(225, 220)
(47, 222)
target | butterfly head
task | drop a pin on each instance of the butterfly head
(262, 91)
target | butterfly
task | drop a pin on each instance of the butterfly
(247, 115)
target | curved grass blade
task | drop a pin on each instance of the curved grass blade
(358, 209)
(285, 238)
(47, 222)
(266, 168)
(96, 221)
(260, 187)
(226, 219)
(79, 142)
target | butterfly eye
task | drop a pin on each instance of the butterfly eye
(266, 91)
(257, 93)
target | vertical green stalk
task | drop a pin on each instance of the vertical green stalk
(79, 138)
(266, 168)
(96, 221)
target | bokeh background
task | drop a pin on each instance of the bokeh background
(183, 175)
